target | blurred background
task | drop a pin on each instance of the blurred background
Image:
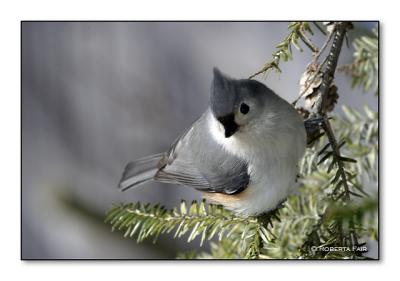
(96, 95)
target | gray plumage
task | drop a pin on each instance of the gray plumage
(195, 160)
(244, 149)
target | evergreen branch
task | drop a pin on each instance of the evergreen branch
(306, 40)
(320, 107)
(337, 158)
(284, 49)
(328, 190)
(359, 131)
(364, 68)
(324, 46)
(340, 181)
(339, 31)
(224, 249)
(338, 219)
(196, 220)
(314, 69)
(356, 212)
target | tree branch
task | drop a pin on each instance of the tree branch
(328, 74)
(339, 32)
(284, 49)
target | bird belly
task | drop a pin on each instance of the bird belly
(230, 201)
(264, 193)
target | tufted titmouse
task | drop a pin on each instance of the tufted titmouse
(242, 152)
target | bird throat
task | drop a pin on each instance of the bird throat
(230, 126)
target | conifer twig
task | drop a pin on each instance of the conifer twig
(317, 55)
(328, 74)
(339, 32)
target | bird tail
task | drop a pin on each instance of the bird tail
(140, 171)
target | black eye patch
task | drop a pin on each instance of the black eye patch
(244, 108)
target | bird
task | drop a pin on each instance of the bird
(242, 152)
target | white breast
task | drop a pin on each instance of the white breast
(272, 151)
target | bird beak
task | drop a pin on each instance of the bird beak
(230, 126)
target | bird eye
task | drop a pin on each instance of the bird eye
(244, 108)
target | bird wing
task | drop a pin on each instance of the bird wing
(197, 160)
